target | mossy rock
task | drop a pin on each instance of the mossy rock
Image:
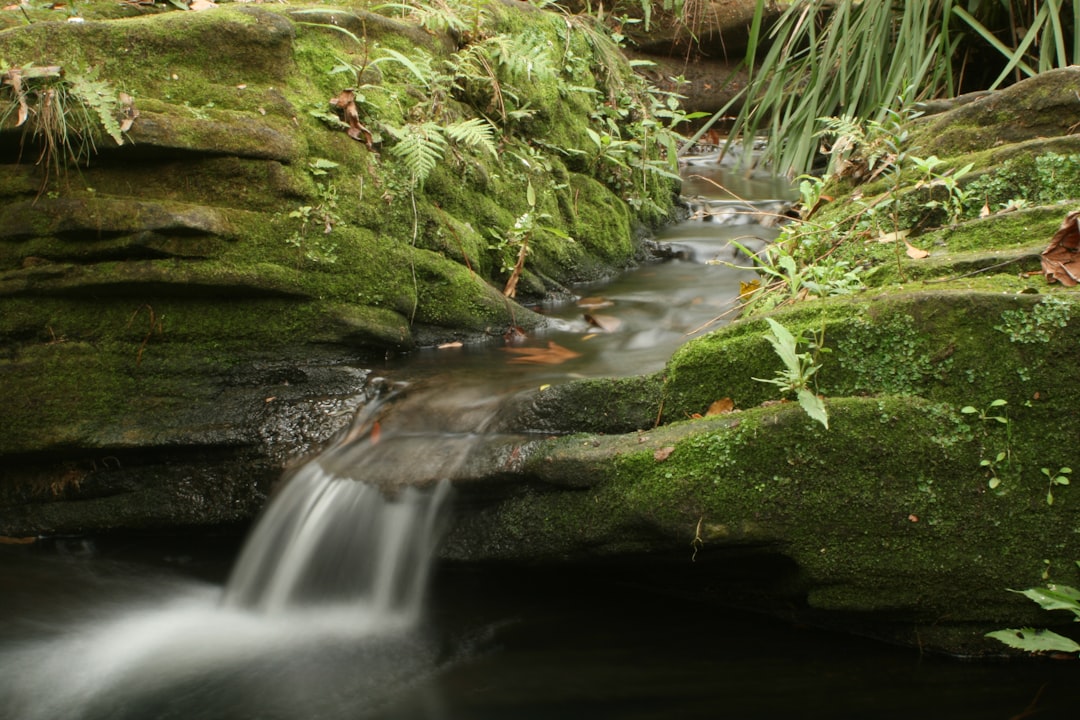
(237, 223)
(891, 516)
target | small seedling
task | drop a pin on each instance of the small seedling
(1003, 459)
(1057, 478)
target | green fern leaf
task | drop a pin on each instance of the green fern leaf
(420, 148)
(475, 132)
(99, 97)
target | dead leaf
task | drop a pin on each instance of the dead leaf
(199, 5)
(1060, 260)
(446, 346)
(553, 354)
(511, 284)
(893, 236)
(594, 303)
(746, 289)
(915, 253)
(985, 212)
(376, 433)
(663, 453)
(913, 518)
(722, 406)
(345, 103)
(607, 323)
(130, 112)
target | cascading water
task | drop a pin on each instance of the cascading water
(329, 540)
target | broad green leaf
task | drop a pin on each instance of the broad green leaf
(1055, 597)
(814, 407)
(784, 343)
(1033, 640)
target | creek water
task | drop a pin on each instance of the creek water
(319, 613)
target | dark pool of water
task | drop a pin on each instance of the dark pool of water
(543, 644)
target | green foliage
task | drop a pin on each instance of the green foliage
(59, 112)
(1046, 316)
(1002, 461)
(1055, 478)
(317, 246)
(1025, 180)
(1053, 597)
(825, 57)
(799, 369)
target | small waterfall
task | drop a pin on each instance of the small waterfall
(326, 540)
(359, 525)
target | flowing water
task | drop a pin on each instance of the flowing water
(319, 613)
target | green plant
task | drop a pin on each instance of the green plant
(1002, 460)
(799, 369)
(1053, 597)
(1037, 326)
(317, 247)
(62, 112)
(1055, 478)
(956, 197)
(858, 57)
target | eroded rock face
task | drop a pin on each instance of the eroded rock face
(187, 311)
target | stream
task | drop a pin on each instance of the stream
(334, 607)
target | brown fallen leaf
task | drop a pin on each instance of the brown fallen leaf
(553, 354)
(985, 212)
(1060, 260)
(446, 346)
(915, 253)
(663, 453)
(345, 103)
(722, 406)
(594, 303)
(130, 112)
(199, 5)
(607, 323)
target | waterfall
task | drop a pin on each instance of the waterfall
(332, 540)
(359, 525)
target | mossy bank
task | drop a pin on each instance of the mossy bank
(209, 217)
(942, 357)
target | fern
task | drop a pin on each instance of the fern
(420, 66)
(420, 147)
(100, 97)
(475, 132)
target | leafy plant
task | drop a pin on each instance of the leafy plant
(1053, 597)
(1055, 478)
(799, 369)
(62, 112)
(313, 246)
(1003, 459)
(825, 57)
(421, 146)
(1046, 316)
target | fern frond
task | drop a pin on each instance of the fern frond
(99, 97)
(419, 66)
(420, 148)
(475, 132)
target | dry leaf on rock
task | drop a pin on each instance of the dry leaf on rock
(663, 453)
(553, 354)
(722, 406)
(1060, 260)
(915, 253)
(198, 5)
(345, 103)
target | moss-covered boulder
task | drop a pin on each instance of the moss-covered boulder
(189, 198)
(944, 361)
